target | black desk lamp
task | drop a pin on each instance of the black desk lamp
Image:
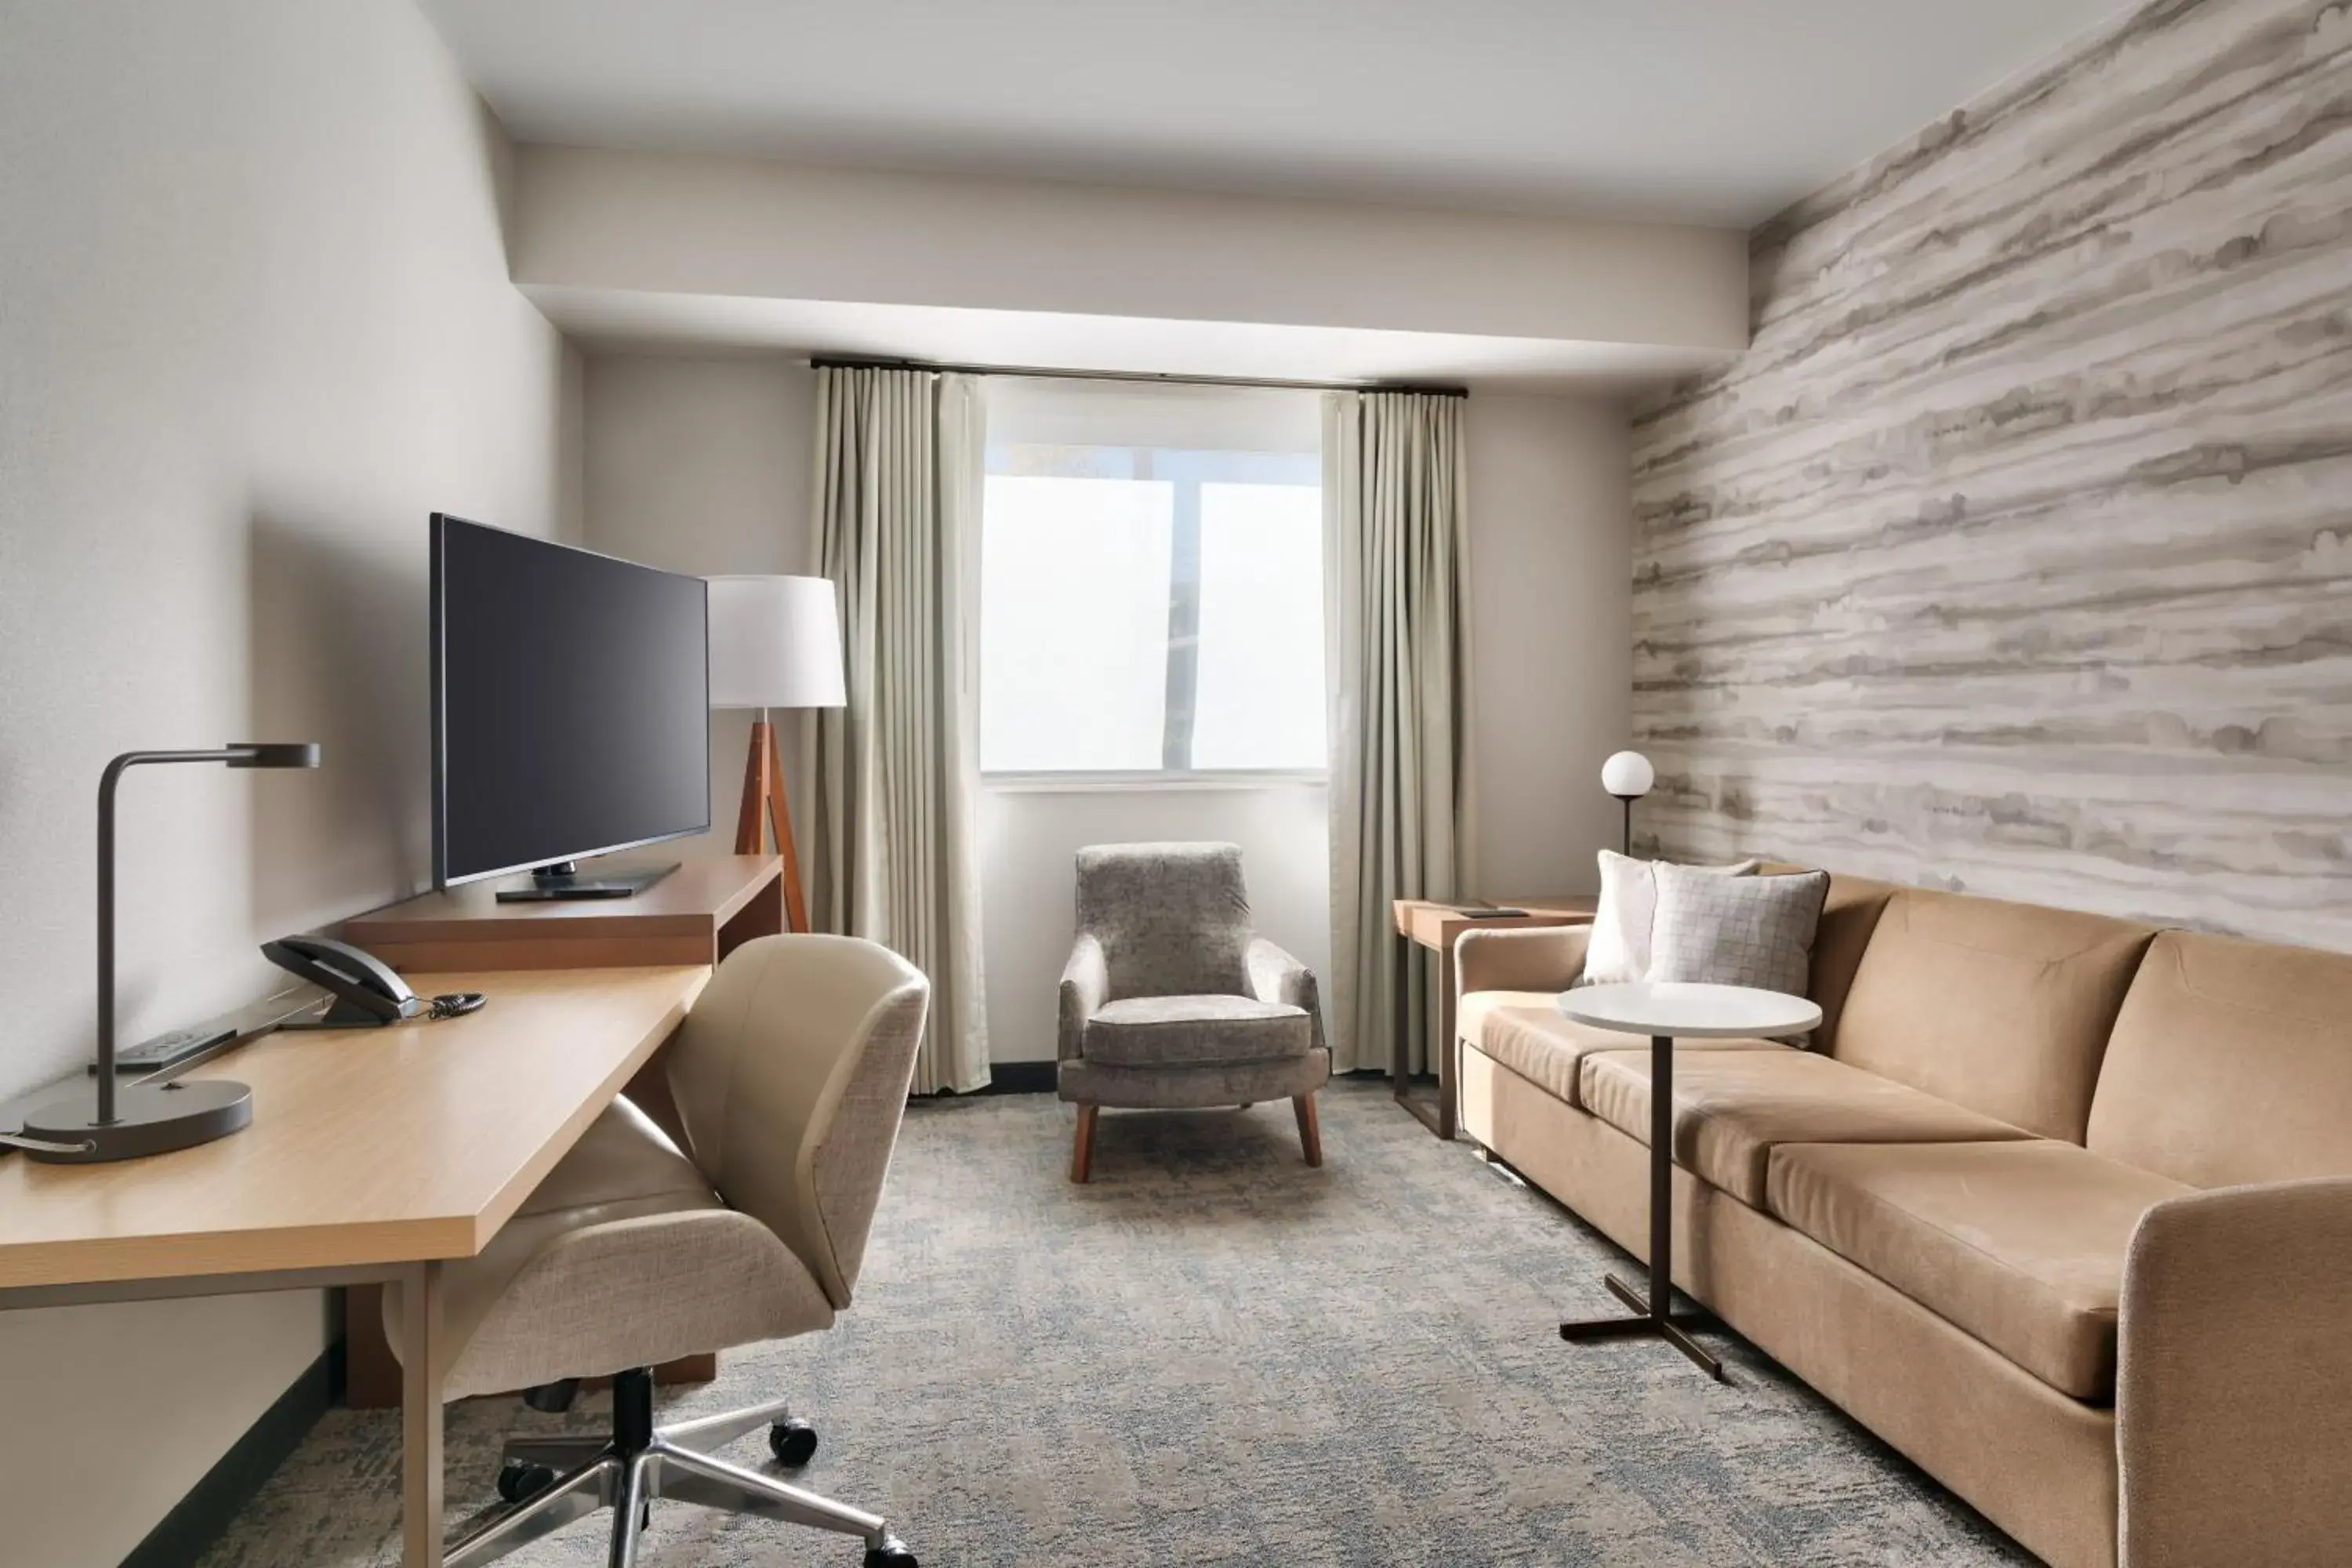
(104, 1120)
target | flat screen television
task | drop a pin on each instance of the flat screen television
(570, 710)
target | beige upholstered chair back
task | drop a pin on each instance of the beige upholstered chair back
(790, 1077)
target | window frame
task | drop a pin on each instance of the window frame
(1180, 468)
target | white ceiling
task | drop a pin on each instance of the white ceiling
(1699, 110)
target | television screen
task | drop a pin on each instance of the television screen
(571, 703)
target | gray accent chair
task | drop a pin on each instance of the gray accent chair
(1172, 1002)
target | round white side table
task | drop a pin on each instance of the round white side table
(1663, 1011)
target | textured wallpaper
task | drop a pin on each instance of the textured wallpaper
(2016, 554)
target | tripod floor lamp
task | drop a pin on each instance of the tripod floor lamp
(775, 642)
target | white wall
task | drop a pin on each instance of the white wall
(1551, 592)
(257, 325)
(701, 465)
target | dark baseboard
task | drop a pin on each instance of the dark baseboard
(1017, 1078)
(203, 1516)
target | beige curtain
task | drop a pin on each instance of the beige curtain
(898, 466)
(1396, 576)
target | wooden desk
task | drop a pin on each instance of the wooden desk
(698, 914)
(1428, 923)
(375, 1155)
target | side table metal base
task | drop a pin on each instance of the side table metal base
(1430, 1110)
(1667, 1325)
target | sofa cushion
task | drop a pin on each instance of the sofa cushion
(2230, 1062)
(2020, 1243)
(2005, 1008)
(1523, 1031)
(1195, 1031)
(1733, 1108)
(1849, 916)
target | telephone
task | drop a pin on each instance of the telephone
(368, 994)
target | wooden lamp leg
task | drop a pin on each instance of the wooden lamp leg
(763, 802)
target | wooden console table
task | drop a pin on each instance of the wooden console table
(697, 915)
(1433, 925)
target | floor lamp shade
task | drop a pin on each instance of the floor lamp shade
(775, 642)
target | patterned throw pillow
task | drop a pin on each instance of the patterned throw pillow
(1737, 930)
(1620, 948)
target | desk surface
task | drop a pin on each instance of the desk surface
(368, 1146)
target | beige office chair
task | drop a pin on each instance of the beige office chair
(789, 1077)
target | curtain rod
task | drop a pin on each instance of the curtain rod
(840, 362)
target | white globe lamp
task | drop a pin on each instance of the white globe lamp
(1628, 776)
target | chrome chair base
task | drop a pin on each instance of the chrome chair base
(639, 1463)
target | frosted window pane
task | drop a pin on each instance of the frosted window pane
(1073, 623)
(1260, 694)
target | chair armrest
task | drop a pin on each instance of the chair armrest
(1521, 958)
(2232, 1420)
(1086, 986)
(1276, 976)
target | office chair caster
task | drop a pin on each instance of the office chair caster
(553, 1398)
(519, 1480)
(792, 1442)
(891, 1553)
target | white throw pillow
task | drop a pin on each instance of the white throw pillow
(1619, 949)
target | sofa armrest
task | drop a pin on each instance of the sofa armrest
(2232, 1420)
(1520, 958)
(1086, 986)
(1276, 976)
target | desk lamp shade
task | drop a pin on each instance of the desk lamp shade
(1628, 776)
(775, 642)
(101, 1120)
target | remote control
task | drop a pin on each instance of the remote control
(168, 1049)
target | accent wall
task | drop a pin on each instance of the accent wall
(2015, 555)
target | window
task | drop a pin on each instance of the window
(1151, 580)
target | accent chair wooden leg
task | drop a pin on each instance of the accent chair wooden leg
(1310, 1128)
(1082, 1152)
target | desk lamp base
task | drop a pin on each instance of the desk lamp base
(149, 1118)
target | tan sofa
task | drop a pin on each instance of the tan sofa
(2059, 1206)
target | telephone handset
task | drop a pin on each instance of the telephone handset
(367, 992)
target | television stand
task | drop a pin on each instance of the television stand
(564, 882)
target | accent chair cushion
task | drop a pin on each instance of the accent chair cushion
(1195, 1031)
(1732, 1109)
(2001, 1007)
(1737, 930)
(2020, 1243)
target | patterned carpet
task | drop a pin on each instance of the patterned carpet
(1215, 1355)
